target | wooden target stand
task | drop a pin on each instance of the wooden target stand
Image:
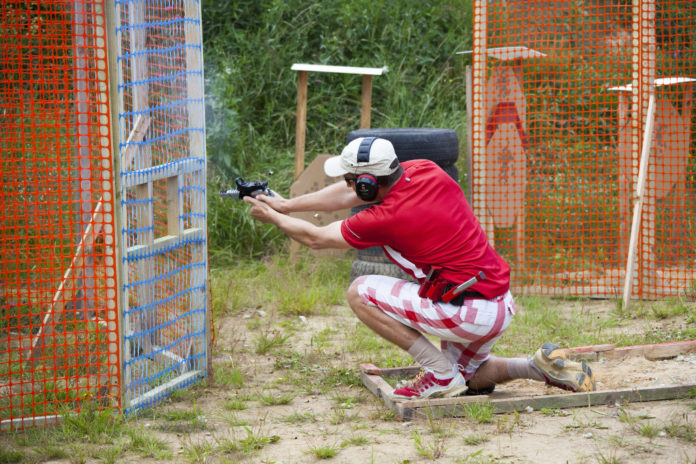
(662, 172)
(505, 163)
(502, 401)
(313, 177)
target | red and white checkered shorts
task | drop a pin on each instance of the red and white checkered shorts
(467, 332)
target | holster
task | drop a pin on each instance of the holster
(433, 287)
(436, 289)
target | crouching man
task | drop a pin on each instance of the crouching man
(422, 220)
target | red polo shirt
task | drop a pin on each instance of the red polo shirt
(425, 220)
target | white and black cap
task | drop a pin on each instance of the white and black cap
(364, 155)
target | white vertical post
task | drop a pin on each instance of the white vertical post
(196, 115)
(640, 194)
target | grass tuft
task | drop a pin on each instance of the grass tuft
(324, 452)
(481, 412)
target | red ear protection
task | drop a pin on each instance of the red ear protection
(366, 186)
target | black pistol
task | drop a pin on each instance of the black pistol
(244, 189)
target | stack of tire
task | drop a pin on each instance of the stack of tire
(438, 145)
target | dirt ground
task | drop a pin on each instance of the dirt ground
(361, 429)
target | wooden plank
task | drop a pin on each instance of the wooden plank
(370, 369)
(167, 241)
(116, 357)
(456, 407)
(196, 111)
(592, 352)
(163, 171)
(302, 67)
(480, 72)
(653, 352)
(381, 389)
(301, 123)
(366, 101)
(469, 133)
(373, 378)
(174, 206)
(194, 78)
(640, 198)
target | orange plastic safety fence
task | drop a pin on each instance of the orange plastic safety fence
(563, 95)
(58, 288)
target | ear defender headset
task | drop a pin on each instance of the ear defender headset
(366, 186)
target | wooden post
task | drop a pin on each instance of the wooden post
(196, 115)
(366, 100)
(116, 324)
(469, 132)
(640, 193)
(479, 202)
(301, 124)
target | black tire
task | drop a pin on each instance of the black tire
(452, 171)
(438, 145)
(359, 268)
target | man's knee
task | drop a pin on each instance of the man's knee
(353, 296)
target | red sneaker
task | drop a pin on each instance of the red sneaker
(426, 385)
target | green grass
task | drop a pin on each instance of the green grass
(268, 341)
(476, 439)
(355, 441)
(10, 456)
(255, 440)
(481, 412)
(684, 431)
(298, 418)
(324, 452)
(431, 448)
(234, 405)
(146, 445)
(305, 287)
(275, 399)
(229, 376)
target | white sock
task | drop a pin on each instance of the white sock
(522, 368)
(427, 355)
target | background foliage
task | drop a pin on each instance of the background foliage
(251, 92)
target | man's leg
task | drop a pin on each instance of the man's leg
(439, 378)
(500, 370)
(399, 306)
(384, 325)
(548, 365)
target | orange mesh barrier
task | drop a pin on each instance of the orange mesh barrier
(565, 97)
(58, 289)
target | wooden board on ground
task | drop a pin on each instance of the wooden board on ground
(312, 179)
(658, 372)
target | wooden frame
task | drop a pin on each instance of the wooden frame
(301, 125)
(374, 379)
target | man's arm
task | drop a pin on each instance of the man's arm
(331, 198)
(298, 229)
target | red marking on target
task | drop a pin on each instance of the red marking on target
(506, 163)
